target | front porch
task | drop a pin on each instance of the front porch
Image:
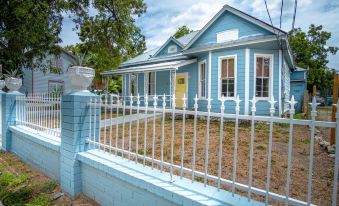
(162, 80)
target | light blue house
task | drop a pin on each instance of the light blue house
(233, 54)
(299, 86)
(52, 79)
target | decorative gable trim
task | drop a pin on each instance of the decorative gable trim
(238, 13)
(167, 42)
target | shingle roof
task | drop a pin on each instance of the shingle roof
(149, 54)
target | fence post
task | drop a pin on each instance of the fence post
(9, 112)
(75, 124)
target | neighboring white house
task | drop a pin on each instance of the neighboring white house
(36, 81)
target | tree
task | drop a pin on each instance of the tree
(311, 52)
(111, 35)
(29, 30)
(182, 31)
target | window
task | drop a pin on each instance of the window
(202, 79)
(55, 87)
(151, 83)
(228, 76)
(133, 86)
(227, 35)
(56, 61)
(172, 49)
(263, 65)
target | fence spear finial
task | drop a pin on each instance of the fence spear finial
(196, 101)
(184, 99)
(253, 101)
(272, 102)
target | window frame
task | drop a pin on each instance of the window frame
(130, 84)
(149, 83)
(58, 82)
(199, 79)
(220, 58)
(270, 79)
(172, 49)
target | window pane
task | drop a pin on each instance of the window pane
(224, 68)
(266, 67)
(265, 85)
(258, 87)
(231, 67)
(230, 92)
(259, 67)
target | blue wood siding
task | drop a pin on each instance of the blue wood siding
(228, 21)
(40, 82)
(164, 51)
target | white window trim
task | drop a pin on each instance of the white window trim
(130, 83)
(199, 75)
(226, 31)
(270, 88)
(155, 83)
(220, 58)
(174, 47)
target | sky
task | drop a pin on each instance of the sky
(163, 17)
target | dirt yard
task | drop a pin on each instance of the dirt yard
(322, 170)
(22, 185)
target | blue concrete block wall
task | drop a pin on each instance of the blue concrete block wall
(8, 117)
(37, 151)
(74, 132)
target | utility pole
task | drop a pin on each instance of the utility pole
(334, 106)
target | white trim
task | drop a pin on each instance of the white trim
(247, 79)
(280, 64)
(165, 44)
(227, 33)
(152, 67)
(172, 49)
(209, 73)
(199, 75)
(220, 58)
(270, 92)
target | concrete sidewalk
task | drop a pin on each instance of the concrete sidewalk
(134, 117)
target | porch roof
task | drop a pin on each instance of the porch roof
(170, 65)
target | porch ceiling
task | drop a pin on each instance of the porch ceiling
(170, 65)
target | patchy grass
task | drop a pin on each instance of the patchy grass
(21, 185)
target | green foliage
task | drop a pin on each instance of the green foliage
(111, 36)
(41, 200)
(310, 52)
(48, 186)
(182, 31)
(13, 73)
(8, 179)
(56, 70)
(16, 197)
(30, 29)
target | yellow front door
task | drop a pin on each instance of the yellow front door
(180, 89)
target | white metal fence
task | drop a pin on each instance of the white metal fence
(194, 145)
(41, 112)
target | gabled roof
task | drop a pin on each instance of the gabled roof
(149, 56)
(167, 42)
(239, 13)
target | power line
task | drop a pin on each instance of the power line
(276, 33)
(295, 12)
(281, 10)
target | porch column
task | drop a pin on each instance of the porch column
(172, 82)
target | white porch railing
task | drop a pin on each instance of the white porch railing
(40, 112)
(164, 141)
